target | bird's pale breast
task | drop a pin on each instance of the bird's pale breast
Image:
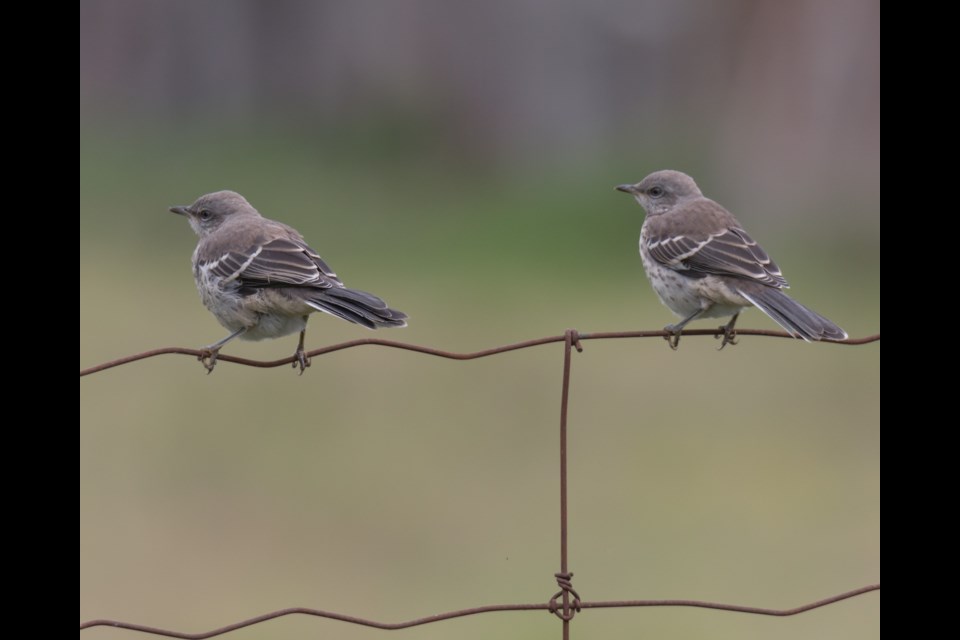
(684, 294)
(264, 313)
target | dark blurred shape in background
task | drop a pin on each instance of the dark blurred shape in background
(757, 91)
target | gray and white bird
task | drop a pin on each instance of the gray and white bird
(261, 279)
(702, 263)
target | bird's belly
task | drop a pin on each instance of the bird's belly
(266, 313)
(685, 295)
(726, 301)
(274, 326)
(226, 304)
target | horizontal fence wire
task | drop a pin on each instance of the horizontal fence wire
(461, 613)
(451, 355)
(566, 602)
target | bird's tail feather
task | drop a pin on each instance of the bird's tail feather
(797, 319)
(358, 307)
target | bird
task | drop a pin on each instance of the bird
(260, 278)
(703, 264)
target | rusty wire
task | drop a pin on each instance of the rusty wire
(440, 353)
(460, 613)
(566, 602)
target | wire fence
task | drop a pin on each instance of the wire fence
(565, 603)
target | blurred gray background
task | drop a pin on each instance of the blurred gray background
(459, 160)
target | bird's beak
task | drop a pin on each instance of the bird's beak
(182, 211)
(627, 188)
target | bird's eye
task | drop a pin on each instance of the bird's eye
(205, 214)
(655, 192)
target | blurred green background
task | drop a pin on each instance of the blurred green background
(460, 161)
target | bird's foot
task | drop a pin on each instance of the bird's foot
(728, 332)
(208, 358)
(673, 337)
(729, 335)
(300, 359)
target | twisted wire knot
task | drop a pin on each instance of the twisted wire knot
(565, 582)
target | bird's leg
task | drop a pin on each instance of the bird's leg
(674, 329)
(208, 355)
(300, 358)
(729, 332)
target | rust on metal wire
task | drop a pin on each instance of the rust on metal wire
(440, 353)
(460, 613)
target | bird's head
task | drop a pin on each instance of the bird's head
(213, 209)
(661, 191)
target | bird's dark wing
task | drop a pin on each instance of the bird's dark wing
(728, 252)
(277, 263)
